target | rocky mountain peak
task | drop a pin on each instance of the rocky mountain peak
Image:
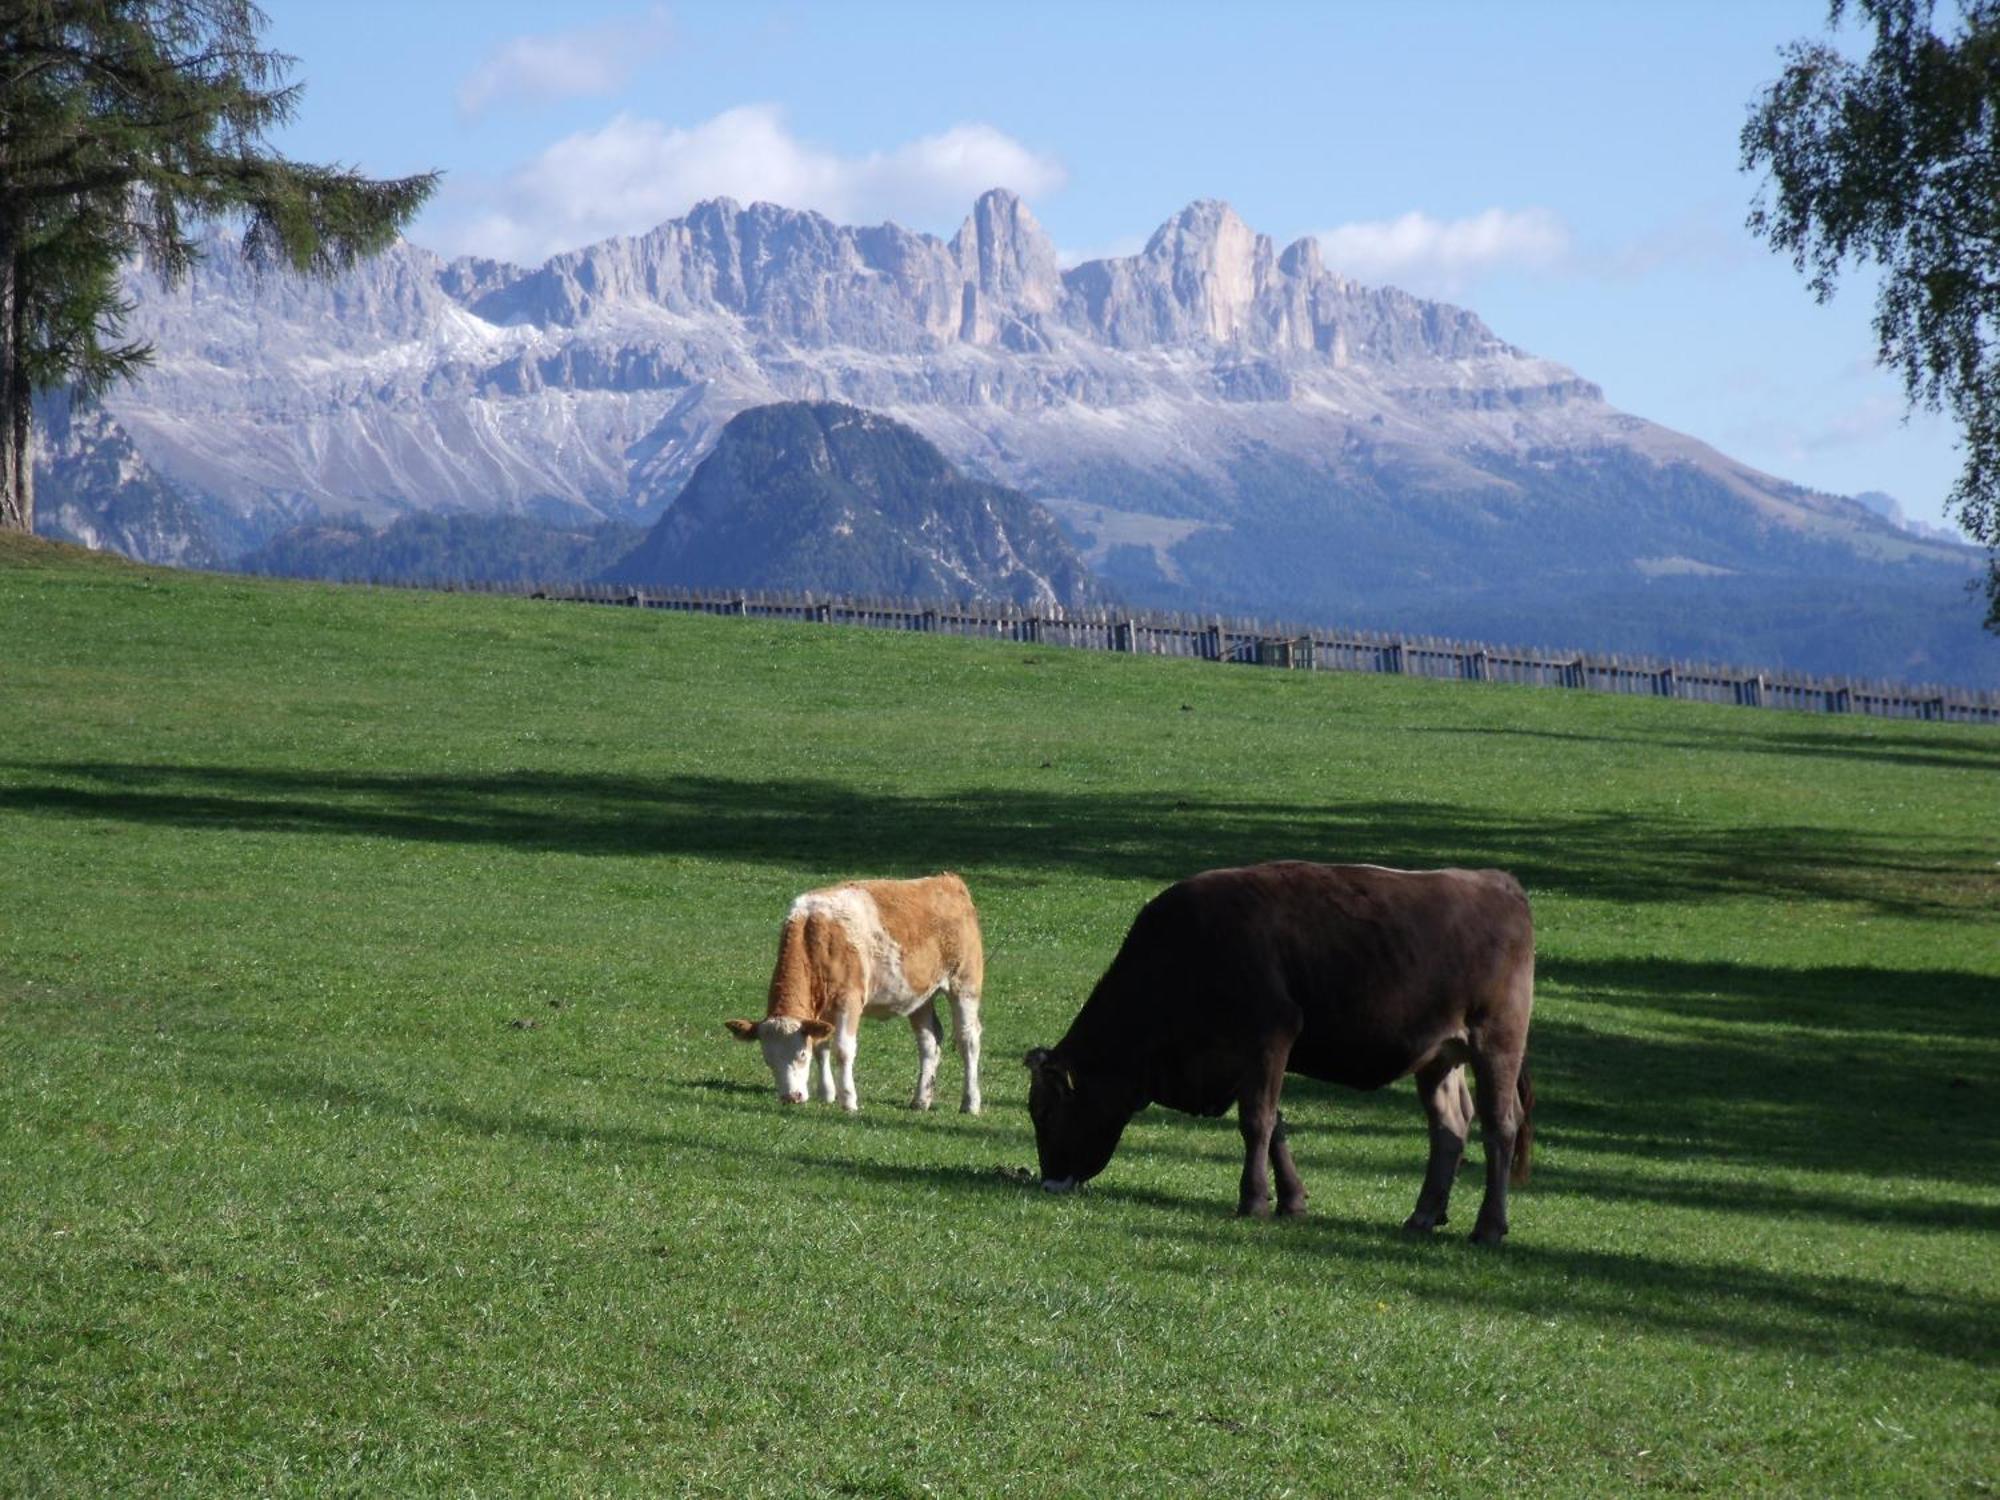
(1302, 259)
(1213, 265)
(821, 495)
(1008, 268)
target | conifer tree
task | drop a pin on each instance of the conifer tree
(125, 125)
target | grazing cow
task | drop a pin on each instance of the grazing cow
(871, 948)
(1354, 974)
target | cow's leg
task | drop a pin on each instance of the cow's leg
(821, 1079)
(1257, 1118)
(1291, 1191)
(843, 1043)
(930, 1035)
(1497, 1070)
(1447, 1107)
(965, 1032)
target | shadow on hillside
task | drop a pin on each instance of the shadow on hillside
(1802, 1311)
(1733, 1070)
(1616, 856)
(1809, 1311)
(1883, 1071)
(1941, 1007)
(1928, 751)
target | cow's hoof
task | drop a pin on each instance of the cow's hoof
(1423, 1223)
(1261, 1209)
(1488, 1234)
(920, 1104)
(1293, 1208)
(970, 1107)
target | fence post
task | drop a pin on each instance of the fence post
(928, 622)
(1121, 636)
(1476, 666)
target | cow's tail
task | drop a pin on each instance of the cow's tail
(1524, 1132)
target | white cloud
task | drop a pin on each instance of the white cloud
(1442, 256)
(1843, 447)
(633, 173)
(589, 62)
(1706, 239)
(1864, 422)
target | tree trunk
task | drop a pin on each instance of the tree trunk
(17, 498)
(21, 432)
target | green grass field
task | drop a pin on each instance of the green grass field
(369, 1126)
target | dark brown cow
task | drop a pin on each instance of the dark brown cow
(1354, 974)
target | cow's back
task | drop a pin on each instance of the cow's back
(1372, 966)
(934, 926)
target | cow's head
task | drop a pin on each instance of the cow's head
(1078, 1119)
(788, 1043)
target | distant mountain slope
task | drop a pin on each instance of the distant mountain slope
(456, 548)
(1218, 420)
(93, 487)
(824, 496)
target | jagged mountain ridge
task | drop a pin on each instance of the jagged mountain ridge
(1219, 421)
(818, 495)
(597, 379)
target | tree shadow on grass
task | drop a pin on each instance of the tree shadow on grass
(820, 824)
(1948, 1009)
(1806, 1311)
(1886, 1072)
(1842, 1069)
(1923, 751)
(1824, 1314)
(1712, 1074)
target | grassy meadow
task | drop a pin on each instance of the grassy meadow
(367, 1125)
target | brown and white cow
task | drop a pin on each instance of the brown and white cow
(871, 948)
(1354, 974)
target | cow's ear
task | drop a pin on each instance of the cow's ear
(743, 1031)
(1035, 1058)
(816, 1030)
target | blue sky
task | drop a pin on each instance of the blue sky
(1567, 169)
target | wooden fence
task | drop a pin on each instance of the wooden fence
(1306, 648)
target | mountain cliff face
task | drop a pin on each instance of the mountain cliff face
(816, 495)
(93, 487)
(1217, 420)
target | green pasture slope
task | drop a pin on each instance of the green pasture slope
(367, 1124)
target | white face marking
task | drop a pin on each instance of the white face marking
(788, 1051)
